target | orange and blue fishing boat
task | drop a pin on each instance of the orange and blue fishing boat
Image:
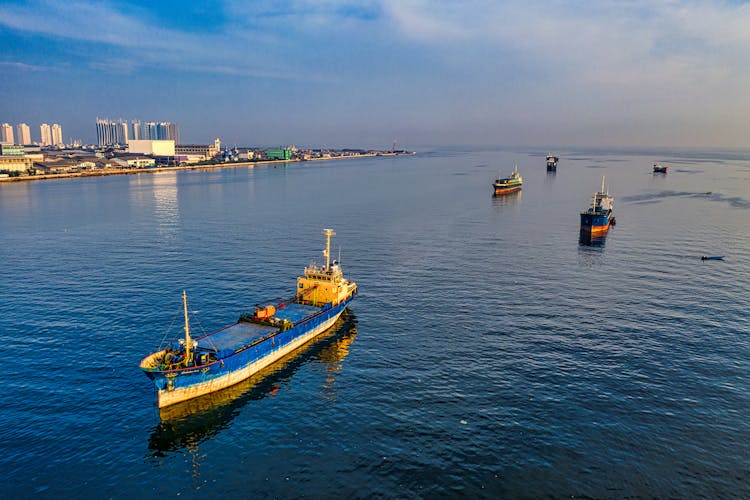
(510, 184)
(597, 219)
(190, 367)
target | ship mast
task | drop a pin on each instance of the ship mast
(327, 252)
(187, 329)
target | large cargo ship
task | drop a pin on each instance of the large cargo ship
(510, 184)
(597, 219)
(191, 367)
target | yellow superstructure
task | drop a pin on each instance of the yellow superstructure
(323, 285)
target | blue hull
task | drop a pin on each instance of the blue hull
(237, 362)
(595, 222)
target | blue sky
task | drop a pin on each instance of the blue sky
(340, 73)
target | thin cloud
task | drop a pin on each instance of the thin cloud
(611, 33)
(638, 71)
(142, 44)
(23, 66)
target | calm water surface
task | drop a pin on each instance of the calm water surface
(489, 352)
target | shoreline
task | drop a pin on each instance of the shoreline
(135, 171)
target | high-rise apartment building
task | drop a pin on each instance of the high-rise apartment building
(104, 135)
(173, 132)
(123, 132)
(162, 130)
(46, 134)
(6, 133)
(150, 131)
(57, 137)
(24, 133)
(137, 130)
(111, 133)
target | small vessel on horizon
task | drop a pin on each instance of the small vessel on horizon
(504, 185)
(551, 163)
(191, 367)
(597, 219)
(660, 169)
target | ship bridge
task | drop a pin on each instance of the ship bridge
(321, 285)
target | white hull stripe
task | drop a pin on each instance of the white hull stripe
(166, 398)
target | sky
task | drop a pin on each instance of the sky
(345, 73)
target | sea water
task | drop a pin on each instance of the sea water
(489, 352)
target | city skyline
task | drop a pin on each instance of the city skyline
(21, 134)
(341, 73)
(118, 132)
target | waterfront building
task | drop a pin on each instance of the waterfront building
(46, 134)
(57, 137)
(24, 133)
(15, 163)
(12, 150)
(196, 152)
(135, 161)
(152, 147)
(65, 165)
(6, 133)
(279, 154)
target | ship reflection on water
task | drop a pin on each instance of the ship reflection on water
(185, 425)
(505, 199)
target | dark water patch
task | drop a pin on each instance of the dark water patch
(660, 196)
(690, 162)
(733, 201)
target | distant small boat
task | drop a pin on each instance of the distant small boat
(660, 169)
(597, 219)
(551, 162)
(508, 184)
(712, 257)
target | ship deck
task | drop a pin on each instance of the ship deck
(233, 337)
(296, 312)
